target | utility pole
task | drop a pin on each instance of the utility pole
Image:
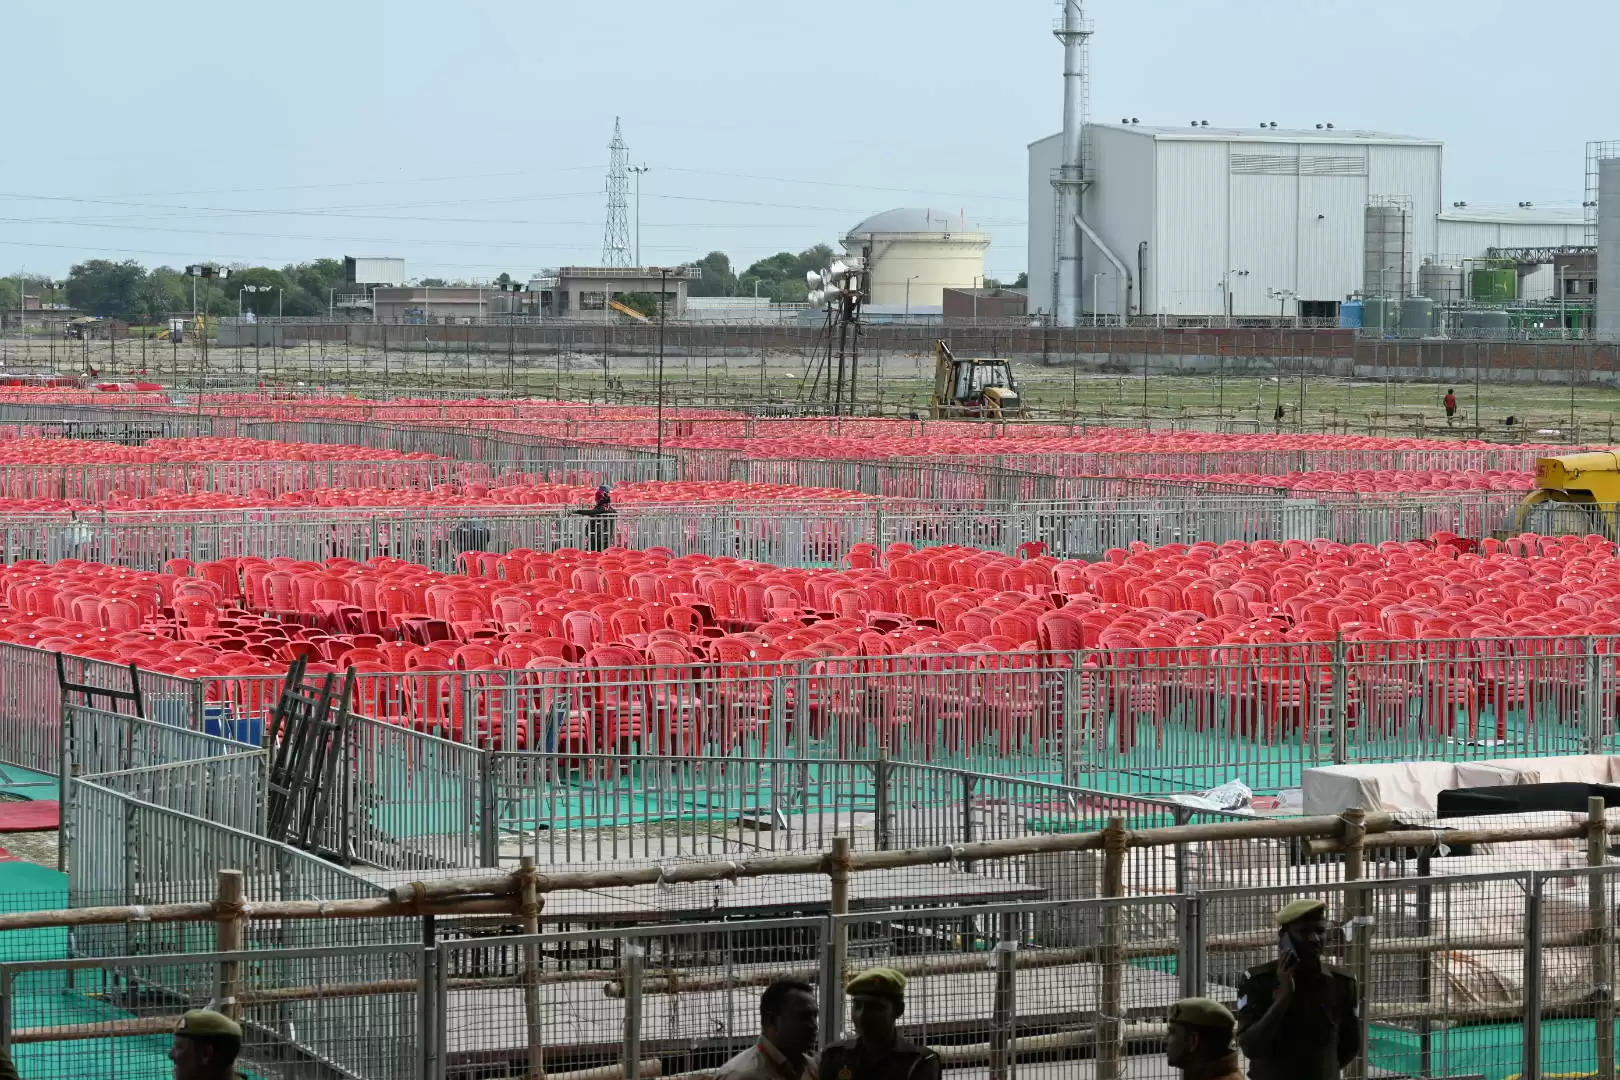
(638, 170)
(663, 311)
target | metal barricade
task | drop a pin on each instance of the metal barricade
(351, 1010)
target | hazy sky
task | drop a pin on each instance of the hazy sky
(471, 137)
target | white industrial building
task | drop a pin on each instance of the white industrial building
(1276, 216)
(1467, 232)
(1608, 253)
(916, 254)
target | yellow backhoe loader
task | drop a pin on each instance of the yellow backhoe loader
(1575, 494)
(974, 387)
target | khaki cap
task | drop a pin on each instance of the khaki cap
(207, 1024)
(1203, 1013)
(881, 980)
(1298, 910)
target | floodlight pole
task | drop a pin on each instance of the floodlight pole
(663, 309)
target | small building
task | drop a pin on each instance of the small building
(975, 304)
(585, 292)
(740, 309)
(450, 304)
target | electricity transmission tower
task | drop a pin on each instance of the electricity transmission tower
(616, 238)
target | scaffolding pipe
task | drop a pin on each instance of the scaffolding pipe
(1071, 175)
(1125, 280)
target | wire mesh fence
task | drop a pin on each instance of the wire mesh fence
(348, 1010)
(1455, 975)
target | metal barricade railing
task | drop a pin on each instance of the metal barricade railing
(1123, 720)
(1003, 969)
(349, 1010)
(814, 534)
(31, 702)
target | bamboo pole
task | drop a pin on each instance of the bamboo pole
(497, 894)
(838, 866)
(228, 939)
(1597, 905)
(1111, 995)
(1433, 838)
(529, 909)
(1354, 837)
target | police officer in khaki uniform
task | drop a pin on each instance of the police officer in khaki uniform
(1297, 1018)
(206, 1045)
(877, 999)
(1200, 1043)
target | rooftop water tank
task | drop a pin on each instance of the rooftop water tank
(1351, 313)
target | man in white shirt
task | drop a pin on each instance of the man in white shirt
(788, 1016)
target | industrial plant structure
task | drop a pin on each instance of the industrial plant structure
(916, 254)
(1322, 223)
(1205, 221)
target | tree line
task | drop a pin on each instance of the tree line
(127, 290)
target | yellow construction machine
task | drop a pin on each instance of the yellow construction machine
(974, 387)
(1581, 491)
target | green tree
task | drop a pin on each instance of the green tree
(153, 301)
(433, 283)
(718, 278)
(781, 276)
(644, 302)
(8, 296)
(102, 287)
(1022, 281)
(312, 284)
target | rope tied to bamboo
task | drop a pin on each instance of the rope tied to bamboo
(229, 909)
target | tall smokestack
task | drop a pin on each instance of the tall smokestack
(1073, 31)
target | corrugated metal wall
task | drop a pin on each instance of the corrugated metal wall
(1191, 226)
(1044, 157)
(1469, 239)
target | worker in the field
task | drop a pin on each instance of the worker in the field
(1450, 402)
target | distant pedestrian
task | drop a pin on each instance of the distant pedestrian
(1200, 1044)
(788, 1015)
(1451, 407)
(1278, 415)
(206, 1045)
(1510, 421)
(877, 999)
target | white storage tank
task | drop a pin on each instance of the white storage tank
(1388, 267)
(917, 254)
(1441, 282)
(1608, 253)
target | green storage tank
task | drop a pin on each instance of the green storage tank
(1495, 286)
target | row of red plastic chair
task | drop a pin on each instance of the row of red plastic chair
(47, 451)
(901, 438)
(1370, 480)
(507, 492)
(1254, 618)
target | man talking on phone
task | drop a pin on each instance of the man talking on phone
(1297, 1019)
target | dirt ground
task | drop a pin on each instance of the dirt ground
(886, 384)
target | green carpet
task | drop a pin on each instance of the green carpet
(17, 782)
(1495, 1051)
